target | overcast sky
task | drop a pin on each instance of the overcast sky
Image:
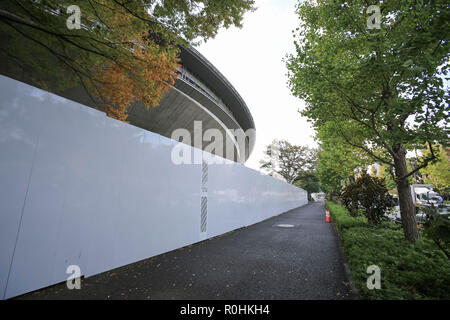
(251, 59)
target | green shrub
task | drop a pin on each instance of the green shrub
(408, 271)
(370, 195)
(342, 219)
(437, 228)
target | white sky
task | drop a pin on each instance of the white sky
(251, 59)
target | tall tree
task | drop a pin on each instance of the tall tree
(384, 87)
(122, 52)
(288, 160)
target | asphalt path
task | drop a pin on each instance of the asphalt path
(262, 261)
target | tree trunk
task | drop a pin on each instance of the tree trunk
(407, 207)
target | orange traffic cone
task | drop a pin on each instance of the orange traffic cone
(327, 214)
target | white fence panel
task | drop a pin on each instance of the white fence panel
(79, 188)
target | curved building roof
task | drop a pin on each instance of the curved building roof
(205, 71)
(201, 93)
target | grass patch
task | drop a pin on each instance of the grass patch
(408, 271)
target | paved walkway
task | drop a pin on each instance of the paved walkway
(262, 261)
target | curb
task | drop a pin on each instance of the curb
(348, 272)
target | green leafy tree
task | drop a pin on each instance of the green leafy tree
(387, 173)
(438, 173)
(337, 161)
(309, 181)
(288, 160)
(382, 88)
(123, 51)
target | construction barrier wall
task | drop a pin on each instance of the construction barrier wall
(80, 188)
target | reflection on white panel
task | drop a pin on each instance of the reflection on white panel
(20, 120)
(77, 187)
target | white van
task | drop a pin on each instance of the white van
(423, 195)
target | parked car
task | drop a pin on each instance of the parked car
(423, 195)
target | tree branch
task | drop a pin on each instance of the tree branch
(426, 161)
(365, 150)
